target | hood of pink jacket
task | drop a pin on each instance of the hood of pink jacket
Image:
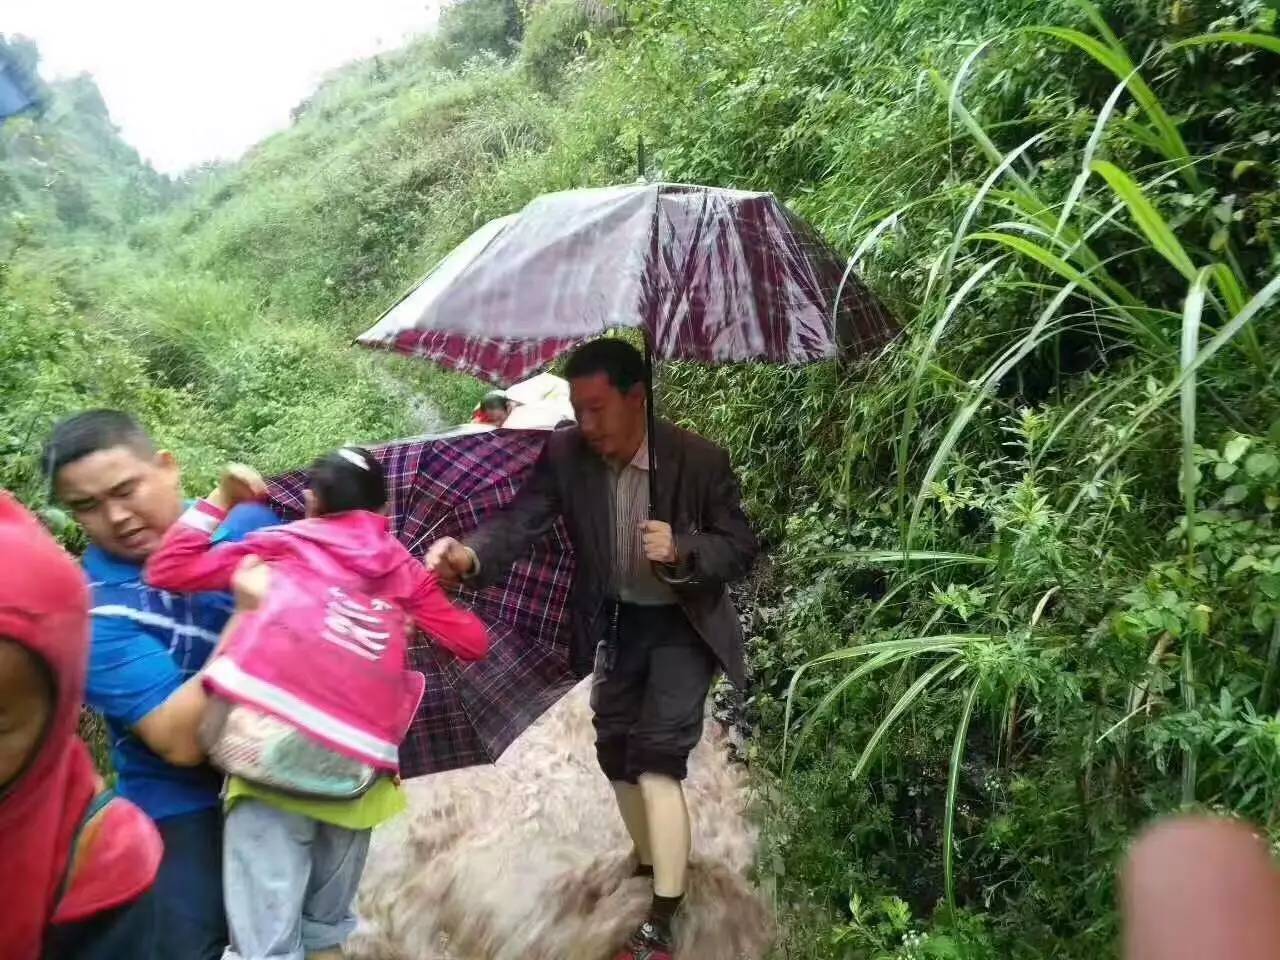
(356, 541)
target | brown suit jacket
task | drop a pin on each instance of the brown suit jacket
(697, 494)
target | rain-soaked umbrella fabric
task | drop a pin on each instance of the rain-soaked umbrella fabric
(445, 487)
(710, 275)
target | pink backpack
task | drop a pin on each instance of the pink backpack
(316, 694)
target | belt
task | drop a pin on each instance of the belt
(614, 610)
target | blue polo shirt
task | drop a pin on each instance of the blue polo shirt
(146, 644)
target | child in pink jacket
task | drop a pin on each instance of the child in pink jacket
(292, 866)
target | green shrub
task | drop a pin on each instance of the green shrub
(557, 36)
(473, 28)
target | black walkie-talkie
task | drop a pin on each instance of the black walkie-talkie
(611, 640)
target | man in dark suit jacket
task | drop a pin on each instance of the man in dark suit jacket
(650, 604)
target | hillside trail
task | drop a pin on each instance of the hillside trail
(528, 859)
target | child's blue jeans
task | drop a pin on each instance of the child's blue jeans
(289, 882)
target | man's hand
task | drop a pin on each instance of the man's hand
(239, 484)
(171, 730)
(659, 542)
(450, 561)
(250, 584)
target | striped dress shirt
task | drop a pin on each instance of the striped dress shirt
(633, 577)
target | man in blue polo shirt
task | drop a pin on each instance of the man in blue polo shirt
(148, 646)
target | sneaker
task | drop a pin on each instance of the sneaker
(647, 943)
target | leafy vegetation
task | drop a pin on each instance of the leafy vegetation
(1032, 546)
(106, 300)
(65, 168)
(1017, 556)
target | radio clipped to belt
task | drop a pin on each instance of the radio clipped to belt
(607, 649)
(611, 638)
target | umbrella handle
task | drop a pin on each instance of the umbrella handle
(651, 426)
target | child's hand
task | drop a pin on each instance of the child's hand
(239, 484)
(250, 583)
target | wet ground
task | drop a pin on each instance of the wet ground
(528, 859)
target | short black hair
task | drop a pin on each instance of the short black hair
(88, 432)
(618, 360)
(349, 478)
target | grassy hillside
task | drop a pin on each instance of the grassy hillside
(63, 166)
(104, 302)
(1032, 547)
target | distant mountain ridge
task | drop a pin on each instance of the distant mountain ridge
(63, 165)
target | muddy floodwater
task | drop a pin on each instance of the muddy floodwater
(528, 859)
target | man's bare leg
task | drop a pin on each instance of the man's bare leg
(631, 806)
(670, 840)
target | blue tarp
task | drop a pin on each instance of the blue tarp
(14, 96)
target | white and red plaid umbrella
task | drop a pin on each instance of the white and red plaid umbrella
(711, 275)
(706, 274)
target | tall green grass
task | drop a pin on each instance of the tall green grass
(1077, 253)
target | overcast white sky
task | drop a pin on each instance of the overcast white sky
(193, 81)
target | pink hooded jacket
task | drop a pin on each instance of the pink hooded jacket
(354, 692)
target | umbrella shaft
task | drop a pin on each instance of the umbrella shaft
(652, 420)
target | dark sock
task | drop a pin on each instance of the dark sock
(644, 870)
(663, 911)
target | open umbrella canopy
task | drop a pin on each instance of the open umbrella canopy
(711, 275)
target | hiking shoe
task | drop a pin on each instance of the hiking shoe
(647, 943)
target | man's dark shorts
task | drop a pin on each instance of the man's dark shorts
(649, 706)
(188, 889)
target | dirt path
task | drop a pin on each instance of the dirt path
(527, 859)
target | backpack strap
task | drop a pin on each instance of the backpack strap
(96, 806)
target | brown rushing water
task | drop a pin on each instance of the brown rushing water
(528, 859)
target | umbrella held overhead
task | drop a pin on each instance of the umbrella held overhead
(705, 274)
